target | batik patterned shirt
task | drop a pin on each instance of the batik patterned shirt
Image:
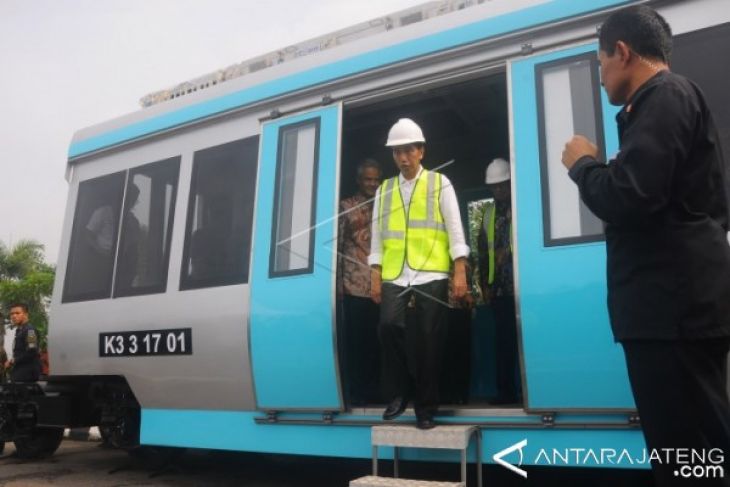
(356, 213)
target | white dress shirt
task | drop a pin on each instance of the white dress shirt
(452, 219)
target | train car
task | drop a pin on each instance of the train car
(195, 301)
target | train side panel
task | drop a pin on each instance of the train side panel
(217, 374)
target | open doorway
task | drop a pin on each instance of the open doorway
(467, 123)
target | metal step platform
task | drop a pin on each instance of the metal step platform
(440, 437)
(373, 481)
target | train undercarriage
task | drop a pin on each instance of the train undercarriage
(34, 415)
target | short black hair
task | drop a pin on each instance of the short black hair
(18, 305)
(366, 163)
(642, 28)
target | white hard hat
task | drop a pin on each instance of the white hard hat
(497, 171)
(404, 131)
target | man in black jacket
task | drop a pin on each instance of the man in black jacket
(26, 360)
(664, 199)
(3, 354)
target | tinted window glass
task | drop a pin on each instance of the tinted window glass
(220, 214)
(94, 238)
(144, 245)
(699, 56)
(569, 102)
(294, 204)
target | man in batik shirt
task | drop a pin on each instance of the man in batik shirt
(361, 351)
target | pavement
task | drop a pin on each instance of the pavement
(88, 463)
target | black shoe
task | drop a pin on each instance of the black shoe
(425, 422)
(395, 408)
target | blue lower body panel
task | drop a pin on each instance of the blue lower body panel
(230, 430)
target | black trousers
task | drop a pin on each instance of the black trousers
(456, 370)
(680, 389)
(361, 349)
(412, 355)
(27, 372)
(508, 380)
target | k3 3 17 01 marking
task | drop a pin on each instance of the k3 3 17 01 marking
(177, 341)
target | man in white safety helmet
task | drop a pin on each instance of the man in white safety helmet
(496, 278)
(416, 233)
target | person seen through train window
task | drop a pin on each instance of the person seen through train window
(213, 250)
(100, 234)
(128, 258)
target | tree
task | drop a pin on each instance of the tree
(26, 278)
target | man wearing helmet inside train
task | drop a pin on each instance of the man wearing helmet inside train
(416, 233)
(496, 278)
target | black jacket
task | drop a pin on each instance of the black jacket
(27, 362)
(664, 199)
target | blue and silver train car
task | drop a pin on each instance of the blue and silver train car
(195, 301)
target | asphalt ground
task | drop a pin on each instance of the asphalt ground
(87, 463)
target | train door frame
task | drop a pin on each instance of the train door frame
(392, 94)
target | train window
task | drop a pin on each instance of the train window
(294, 204)
(710, 76)
(144, 244)
(569, 102)
(220, 215)
(94, 239)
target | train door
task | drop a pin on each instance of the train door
(294, 363)
(465, 122)
(570, 360)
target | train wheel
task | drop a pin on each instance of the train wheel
(107, 436)
(41, 443)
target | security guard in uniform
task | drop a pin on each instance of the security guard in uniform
(26, 362)
(3, 360)
(3, 354)
(416, 233)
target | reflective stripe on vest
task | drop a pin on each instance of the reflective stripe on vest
(423, 241)
(490, 216)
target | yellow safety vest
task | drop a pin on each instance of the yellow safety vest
(420, 238)
(490, 215)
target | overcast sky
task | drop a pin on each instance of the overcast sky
(69, 64)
